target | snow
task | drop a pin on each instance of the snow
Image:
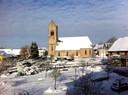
(39, 85)
(69, 43)
(51, 90)
(120, 45)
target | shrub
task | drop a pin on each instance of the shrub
(84, 86)
(121, 72)
(3, 67)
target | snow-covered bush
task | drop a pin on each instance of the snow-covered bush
(31, 70)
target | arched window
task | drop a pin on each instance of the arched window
(77, 53)
(58, 53)
(66, 53)
(52, 33)
(85, 52)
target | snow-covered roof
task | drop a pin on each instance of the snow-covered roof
(11, 51)
(73, 43)
(16, 51)
(98, 46)
(120, 45)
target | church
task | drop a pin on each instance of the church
(78, 47)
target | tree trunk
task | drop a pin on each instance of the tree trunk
(46, 74)
(55, 83)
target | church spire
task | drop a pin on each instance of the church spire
(52, 37)
(53, 23)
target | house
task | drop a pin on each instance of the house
(9, 53)
(77, 47)
(4, 56)
(13, 52)
(42, 52)
(120, 49)
(101, 50)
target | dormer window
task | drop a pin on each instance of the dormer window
(52, 33)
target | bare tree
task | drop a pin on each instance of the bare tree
(83, 64)
(24, 52)
(108, 69)
(3, 67)
(72, 56)
(111, 40)
(55, 74)
(46, 67)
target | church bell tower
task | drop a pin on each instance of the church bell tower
(52, 38)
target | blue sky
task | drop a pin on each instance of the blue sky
(24, 21)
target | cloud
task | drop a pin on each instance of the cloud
(98, 19)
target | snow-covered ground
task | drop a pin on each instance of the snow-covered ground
(39, 85)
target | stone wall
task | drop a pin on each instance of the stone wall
(82, 53)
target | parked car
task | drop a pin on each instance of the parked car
(119, 86)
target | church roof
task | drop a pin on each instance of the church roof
(120, 45)
(52, 22)
(73, 43)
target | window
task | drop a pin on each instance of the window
(58, 53)
(90, 52)
(77, 53)
(126, 53)
(85, 52)
(118, 53)
(52, 33)
(66, 53)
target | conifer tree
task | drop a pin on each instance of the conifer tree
(34, 53)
